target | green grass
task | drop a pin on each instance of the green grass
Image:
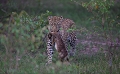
(82, 64)
(34, 63)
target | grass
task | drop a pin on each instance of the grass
(79, 64)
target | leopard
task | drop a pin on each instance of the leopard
(62, 25)
(54, 38)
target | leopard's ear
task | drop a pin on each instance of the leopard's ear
(61, 17)
(49, 17)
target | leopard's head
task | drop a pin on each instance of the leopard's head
(54, 23)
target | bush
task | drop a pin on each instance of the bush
(20, 34)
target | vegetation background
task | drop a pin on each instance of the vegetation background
(23, 31)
